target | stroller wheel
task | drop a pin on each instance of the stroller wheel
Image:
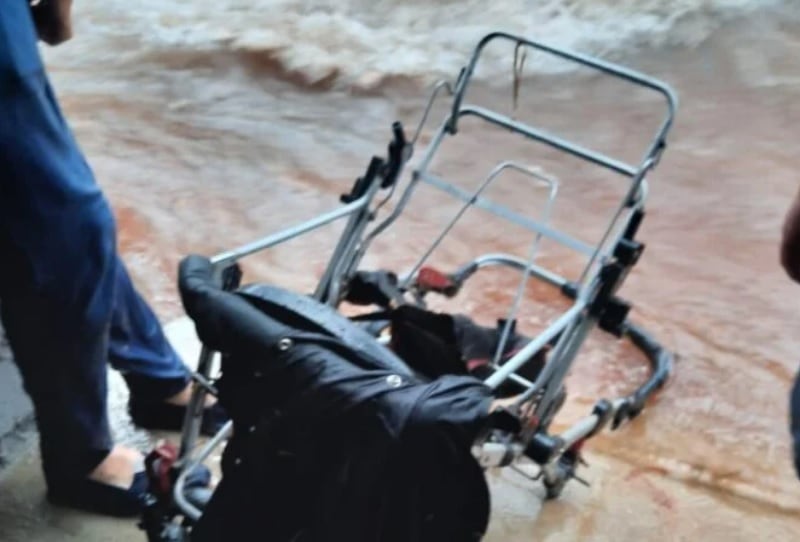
(559, 474)
(553, 490)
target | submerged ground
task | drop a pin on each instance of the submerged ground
(209, 153)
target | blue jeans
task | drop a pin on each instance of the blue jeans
(794, 422)
(68, 304)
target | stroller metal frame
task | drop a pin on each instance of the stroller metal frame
(594, 301)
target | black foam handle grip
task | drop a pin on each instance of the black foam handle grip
(395, 159)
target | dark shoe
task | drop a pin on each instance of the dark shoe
(160, 416)
(99, 498)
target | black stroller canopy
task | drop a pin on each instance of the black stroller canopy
(334, 437)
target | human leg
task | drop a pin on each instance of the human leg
(156, 376)
(57, 236)
(794, 422)
(57, 280)
(62, 359)
(64, 372)
(138, 348)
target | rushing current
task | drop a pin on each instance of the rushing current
(210, 123)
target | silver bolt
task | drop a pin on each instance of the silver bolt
(284, 344)
(394, 381)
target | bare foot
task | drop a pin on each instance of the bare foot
(183, 398)
(119, 467)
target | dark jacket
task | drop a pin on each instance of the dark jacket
(335, 437)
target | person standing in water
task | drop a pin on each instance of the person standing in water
(67, 302)
(790, 261)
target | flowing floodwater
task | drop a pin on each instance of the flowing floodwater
(211, 123)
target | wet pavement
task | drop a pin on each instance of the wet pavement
(202, 154)
(619, 488)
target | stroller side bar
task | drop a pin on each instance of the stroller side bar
(224, 259)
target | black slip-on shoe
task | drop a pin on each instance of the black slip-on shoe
(99, 498)
(161, 416)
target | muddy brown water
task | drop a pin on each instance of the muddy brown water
(203, 155)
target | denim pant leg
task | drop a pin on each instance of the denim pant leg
(138, 347)
(57, 240)
(64, 371)
(794, 422)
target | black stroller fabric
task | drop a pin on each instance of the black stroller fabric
(438, 344)
(335, 438)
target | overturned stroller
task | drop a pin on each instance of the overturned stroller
(379, 426)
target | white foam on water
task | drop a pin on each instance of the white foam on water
(352, 40)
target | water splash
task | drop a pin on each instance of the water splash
(365, 42)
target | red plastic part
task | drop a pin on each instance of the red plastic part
(159, 463)
(433, 279)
